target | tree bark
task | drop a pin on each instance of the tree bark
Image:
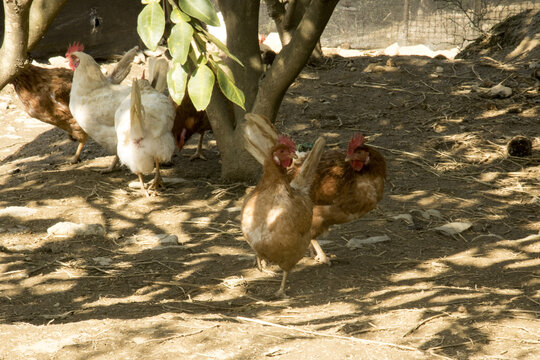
(25, 23)
(13, 50)
(292, 58)
(264, 93)
(42, 14)
(242, 19)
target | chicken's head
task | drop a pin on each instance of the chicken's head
(284, 152)
(72, 57)
(357, 153)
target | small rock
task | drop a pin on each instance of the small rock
(407, 217)
(439, 69)
(17, 211)
(73, 229)
(453, 228)
(168, 239)
(499, 91)
(356, 242)
(103, 261)
(58, 61)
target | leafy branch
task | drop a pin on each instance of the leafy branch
(195, 64)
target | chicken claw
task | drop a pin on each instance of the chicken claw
(157, 182)
(197, 155)
(111, 167)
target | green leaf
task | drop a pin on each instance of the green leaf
(200, 87)
(200, 9)
(176, 81)
(179, 41)
(219, 44)
(178, 16)
(228, 88)
(151, 25)
(150, 1)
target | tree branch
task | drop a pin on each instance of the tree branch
(292, 58)
(13, 50)
(42, 14)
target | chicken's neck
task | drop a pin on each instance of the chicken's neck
(273, 175)
(88, 77)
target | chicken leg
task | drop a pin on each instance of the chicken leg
(198, 153)
(111, 167)
(143, 187)
(75, 159)
(157, 182)
(321, 256)
(281, 292)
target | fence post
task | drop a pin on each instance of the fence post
(405, 22)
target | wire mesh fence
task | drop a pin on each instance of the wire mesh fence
(439, 24)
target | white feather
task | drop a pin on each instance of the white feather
(157, 142)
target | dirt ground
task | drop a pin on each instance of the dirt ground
(420, 295)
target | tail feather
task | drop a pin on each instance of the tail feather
(136, 112)
(302, 182)
(260, 136)
(157, 73)
(123, 67)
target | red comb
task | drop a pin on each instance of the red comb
(74, 47)
(282, 139)
(356, 141)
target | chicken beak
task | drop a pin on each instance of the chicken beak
(347, 158)
(293, 156)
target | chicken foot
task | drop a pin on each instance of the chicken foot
(198, 153)
(320, 255)
(157, 182)
(75, 159)
(111, 167)
(261, 265)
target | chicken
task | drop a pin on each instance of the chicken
(143, 124)
(94, 100)
(276, 216)
(346, 187)
(187, 122)
(44, 93)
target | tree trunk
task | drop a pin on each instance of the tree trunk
(242, 19)
(13, 50)
(264, 92)
(25, 23)
(292, 58)
(288, 19)
(42, 14)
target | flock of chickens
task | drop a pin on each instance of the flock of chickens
(298, 197)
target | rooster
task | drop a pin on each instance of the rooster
(94, 100)
(44, 93)
(143, 124)
(276, 216)
(346, 187)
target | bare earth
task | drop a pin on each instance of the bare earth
(420, 295)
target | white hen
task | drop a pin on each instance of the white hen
(143, 124)
(93, 100)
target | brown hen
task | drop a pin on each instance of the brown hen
(44, 93)
(276, 216)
